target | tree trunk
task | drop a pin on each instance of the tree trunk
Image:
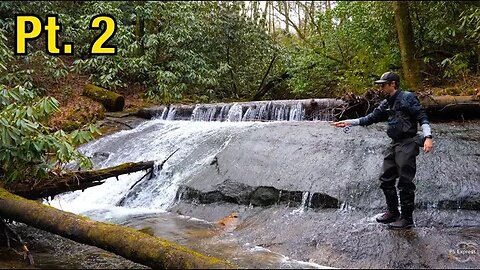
(126, 242)
(110, 100)
(266, 73)
(256, 15)
(139, 32)
(440, 102)
(232, 73)
(74, 181)
(263, 21)
(272, 12)
(410, 65)
(287, 17)
(270, 85)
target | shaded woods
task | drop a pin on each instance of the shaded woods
(229, 50)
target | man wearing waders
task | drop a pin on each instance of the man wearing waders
(403, 111)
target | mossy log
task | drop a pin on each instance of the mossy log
(439, 107)
(72, 181)
(126, 242)
(452, 106)
(112, 101)
(441, 102)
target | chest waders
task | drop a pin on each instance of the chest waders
(400, 161)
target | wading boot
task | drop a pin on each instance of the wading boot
(392, 213)
(389, 216)
(407, 198)
(402, 223)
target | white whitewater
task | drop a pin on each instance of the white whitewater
(153, 140)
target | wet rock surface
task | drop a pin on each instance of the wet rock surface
(299, 157)
(351, 238)
(229, 191)
(51, 251)
(312, 157)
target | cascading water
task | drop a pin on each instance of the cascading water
(153, 140)
(197, 143)
(304, 204)
(275, 110)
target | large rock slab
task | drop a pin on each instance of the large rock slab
(350, 238)
(317, 158)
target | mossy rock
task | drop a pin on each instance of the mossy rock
(70, 125)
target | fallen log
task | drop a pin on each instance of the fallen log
(126, 242)
(72, 181)
(440, 102)
(110, 100)
(452, 107)
(442, 107)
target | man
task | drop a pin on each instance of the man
(403, 111)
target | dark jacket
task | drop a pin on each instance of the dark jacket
(402, 110)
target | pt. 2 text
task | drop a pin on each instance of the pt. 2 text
(30, 27)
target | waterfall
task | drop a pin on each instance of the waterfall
(273, 110)
(303, 205)
(198, 143)
(235, 113)
(171, 114)
(207, 124)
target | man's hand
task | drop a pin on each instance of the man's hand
(340, 124)
(428, 145)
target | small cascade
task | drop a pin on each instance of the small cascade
(310, 198)
(297, 113)
(155, 140)
(235, 113)
(164, 114)
(171, 114)
(303, 205)
(273, 110)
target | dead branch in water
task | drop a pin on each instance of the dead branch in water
(72, 181)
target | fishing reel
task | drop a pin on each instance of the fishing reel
(346, 129)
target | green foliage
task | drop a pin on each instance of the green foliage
(470, 19)
(181, 49)
(448, 42)
(28, 148)
(353, 44)
(53, 67)
(10, 74)
(210, 51)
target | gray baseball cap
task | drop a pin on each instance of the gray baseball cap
(388, 77)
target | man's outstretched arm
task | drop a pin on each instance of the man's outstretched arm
(374, 117)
